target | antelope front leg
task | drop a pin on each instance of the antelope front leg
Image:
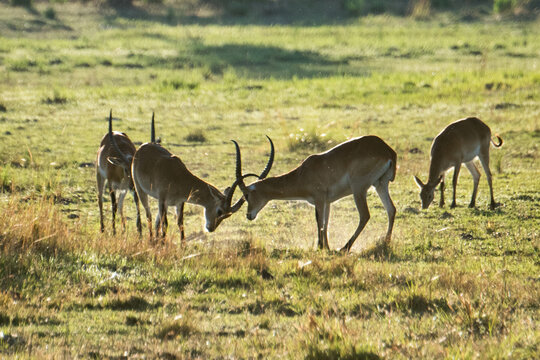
(318, 217)
(454, 184)
(326, 216)
(442, 187)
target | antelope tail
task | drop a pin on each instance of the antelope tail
(500, 141)
(393, 165)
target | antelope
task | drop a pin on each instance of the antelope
(118, 177)
(158, 173)
(460, 142)
(349, 168)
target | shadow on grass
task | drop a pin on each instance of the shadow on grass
(247, 60)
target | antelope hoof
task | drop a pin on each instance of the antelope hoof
(453, 205)
(472, 205)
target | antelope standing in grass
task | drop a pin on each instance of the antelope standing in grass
(349, 168)
(159, 174)
(460, 142)
(118, 177)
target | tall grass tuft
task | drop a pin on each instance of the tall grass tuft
(196, 135)
(181, 325)
(331, 340)
(309, 139)
(34, 227)
(420, 9)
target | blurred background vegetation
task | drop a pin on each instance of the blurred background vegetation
(339, 9)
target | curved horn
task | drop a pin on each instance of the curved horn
(114, 143)
(239, 179)
(228, 199)
(270, 160)
(153, 131)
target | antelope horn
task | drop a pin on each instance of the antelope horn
(239, 179)
(153, 131)
(114, 143)
(270, 160)
(228, 200)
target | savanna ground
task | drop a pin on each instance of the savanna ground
(455, 283)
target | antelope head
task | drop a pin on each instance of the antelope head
(427, 191)
(256, 200)
(122, 159)
(221, 207)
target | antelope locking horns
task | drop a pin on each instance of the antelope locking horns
(264, 174)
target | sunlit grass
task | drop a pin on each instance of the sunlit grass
(452, 283)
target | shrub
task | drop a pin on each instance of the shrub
(354, 7)
(22, 65)
(25, 3)
(196, 136)
(308, 140)
(50, 13)
(120, 3)
(57, 98)
(502, 6)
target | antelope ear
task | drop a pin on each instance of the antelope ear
(216, 198)
(227, 191)
(419, 182)
(115, 161)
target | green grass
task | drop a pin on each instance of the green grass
(460, 283)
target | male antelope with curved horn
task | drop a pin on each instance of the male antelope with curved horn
(460, 142)
(118, 176)
(349, 168)
(158, 173)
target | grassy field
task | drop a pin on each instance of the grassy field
(455, 283)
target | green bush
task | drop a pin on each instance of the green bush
(50, 13)
(354, 7)
(196, 135)
(120, 3)
(25, 3)
(502, 6)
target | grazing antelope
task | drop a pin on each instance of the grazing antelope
(349, 168)
(162, 175)
(118, 177)
(460, 142)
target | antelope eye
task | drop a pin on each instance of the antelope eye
(219, 212)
